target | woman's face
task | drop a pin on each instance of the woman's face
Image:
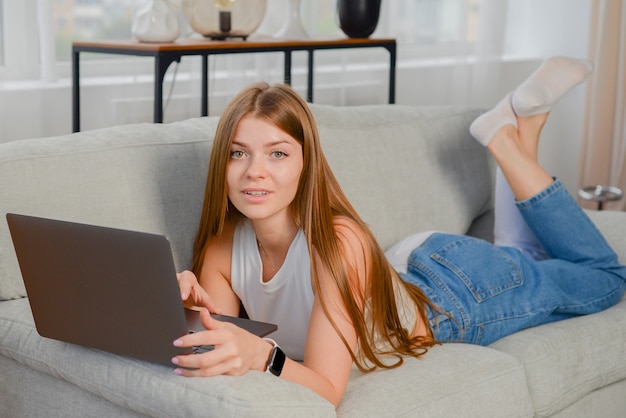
(263, 171)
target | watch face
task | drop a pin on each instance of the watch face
(277, 361)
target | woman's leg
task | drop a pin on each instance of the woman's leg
(583, 275)
(534, 97)
(510, 228)
(491, 292)
(516, 150)
(514, 146)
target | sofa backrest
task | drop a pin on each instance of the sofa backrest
(409, 169)
(405, 169)
(143, 177)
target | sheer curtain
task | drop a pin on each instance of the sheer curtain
(491, 24)
(450, 52)
(463, 63)
(604, 137)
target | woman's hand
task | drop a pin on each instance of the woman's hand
(193, 294)
(235, 350)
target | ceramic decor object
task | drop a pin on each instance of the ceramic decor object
(358, 18)
(293, 28)
(156, 21)
(222, 19)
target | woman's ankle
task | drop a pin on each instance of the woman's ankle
(529, 129)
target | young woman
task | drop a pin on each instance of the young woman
(278, 237)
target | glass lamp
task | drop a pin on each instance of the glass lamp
(221, 19)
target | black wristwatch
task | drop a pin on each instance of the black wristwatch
(276, 360)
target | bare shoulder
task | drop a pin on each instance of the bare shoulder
(350, 234)
(355, 247)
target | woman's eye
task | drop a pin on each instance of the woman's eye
(278, 154)
(237, 154)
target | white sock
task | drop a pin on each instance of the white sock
(486, 125)
(555, 77)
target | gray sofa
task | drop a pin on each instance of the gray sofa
(405, 169)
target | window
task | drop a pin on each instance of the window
(412, 22)
(1, 35)
(20, 46)
(439, 41)
(91, 19)
(423, 28)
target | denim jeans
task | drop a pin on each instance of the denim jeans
(487, 292)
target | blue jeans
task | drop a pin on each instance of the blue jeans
(492, 291)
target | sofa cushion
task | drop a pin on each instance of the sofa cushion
(420, 387)
(567, 360)
(610, 224)
(408, 169)
(145, 177)
(609, 401)
(29, 393)
(451, 380)
(150, 389)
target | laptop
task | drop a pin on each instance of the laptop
(106, 288)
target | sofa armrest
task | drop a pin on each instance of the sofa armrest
(612, 224)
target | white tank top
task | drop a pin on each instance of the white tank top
(285, 300)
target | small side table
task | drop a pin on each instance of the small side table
(600, 194)
(166, 53)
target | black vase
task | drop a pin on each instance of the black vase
(358, 18)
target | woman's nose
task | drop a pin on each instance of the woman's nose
(257, 167)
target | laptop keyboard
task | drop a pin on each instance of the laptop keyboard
(199, 349)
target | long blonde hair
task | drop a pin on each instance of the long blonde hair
(318, 201)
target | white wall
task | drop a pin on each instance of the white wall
(552, 31)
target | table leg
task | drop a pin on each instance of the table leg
(159, 75)
(205, 86)
(75, 91)
(309, 85)
(288, 67)
(392, 73)
(161, 63)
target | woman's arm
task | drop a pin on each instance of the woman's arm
(215, 274)
(213, 279)
(327, 361)
(326, 368)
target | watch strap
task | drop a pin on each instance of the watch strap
(276, 360)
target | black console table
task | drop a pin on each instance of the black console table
(166, 53)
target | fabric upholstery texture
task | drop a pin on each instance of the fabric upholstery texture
(573, 359)
(396, 162)
(140, 386)
(140, 177)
